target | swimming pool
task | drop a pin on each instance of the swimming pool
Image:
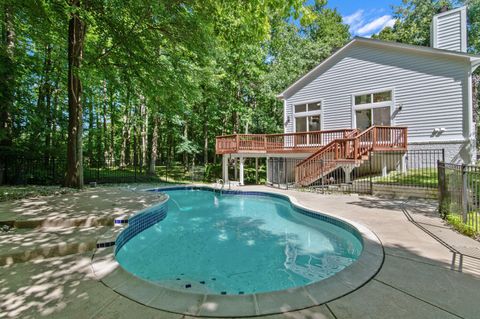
(238, 243)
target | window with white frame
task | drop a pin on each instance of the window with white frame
(373, 109)
(308, 117)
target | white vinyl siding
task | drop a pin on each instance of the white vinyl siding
(428, 88)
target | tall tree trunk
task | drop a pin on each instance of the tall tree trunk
(55, 117)
(104, 131)
(185, 138)
(48, 103)
(135, 137)
(154, 146)
(205, 135)
(205, 143)
(7, 85)
(90, 130)
(124, 152)
(135, 147)
(76, 37)
(144, 130)
(98, 134)
(41, 129)
(111, 147)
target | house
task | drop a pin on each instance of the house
(372, 95)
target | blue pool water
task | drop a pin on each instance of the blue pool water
(237, 244)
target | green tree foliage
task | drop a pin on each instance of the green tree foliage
(414, 18)
(151, 80)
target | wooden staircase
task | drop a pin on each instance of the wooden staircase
(352, 150)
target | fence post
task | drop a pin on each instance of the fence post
(370, 181)
(323, 176)
(54, 180)
(285, 172)
(98, 171)
(135, 171)
(441, 189)
(4, 178)
(166, 171)
(279, 176)
(464, 193)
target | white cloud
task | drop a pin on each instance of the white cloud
(355, 20)
(365, 24)
(376, 25)
(354, 17)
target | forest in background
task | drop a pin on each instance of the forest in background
(144, 82)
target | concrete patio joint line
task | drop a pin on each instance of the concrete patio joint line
(331, 311)
(415, 297)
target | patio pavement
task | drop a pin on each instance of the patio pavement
(421, 276)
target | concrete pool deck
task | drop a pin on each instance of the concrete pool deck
(422, 276)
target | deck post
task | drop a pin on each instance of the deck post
(241, 171)
(403, 163)
(384, 166)
(347, 170)
(269, 175)
(235, 169)
(225, 168)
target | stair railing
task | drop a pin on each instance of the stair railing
(350, 149)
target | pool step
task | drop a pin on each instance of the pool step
(21, 245)
(59, 222)
(108, 238)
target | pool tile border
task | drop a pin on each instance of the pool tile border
(248, 305)
(141, 221)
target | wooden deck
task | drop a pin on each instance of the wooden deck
(308, 142)
(380, 138)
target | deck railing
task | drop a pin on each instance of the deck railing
(306, 142)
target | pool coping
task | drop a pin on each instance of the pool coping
(153, 295)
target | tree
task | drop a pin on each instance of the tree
(413, 20)
(7, 81)
(76, 39)
(158, 80)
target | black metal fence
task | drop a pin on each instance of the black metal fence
(379, 171)
(19, 170)
(459, 195)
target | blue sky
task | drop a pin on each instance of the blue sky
(365, 17)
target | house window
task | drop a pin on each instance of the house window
(308, 117)
(373, 109)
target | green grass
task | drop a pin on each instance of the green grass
(427, 177)
(468, 228)
(171, 174)
(20, 192)
(174, 174)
